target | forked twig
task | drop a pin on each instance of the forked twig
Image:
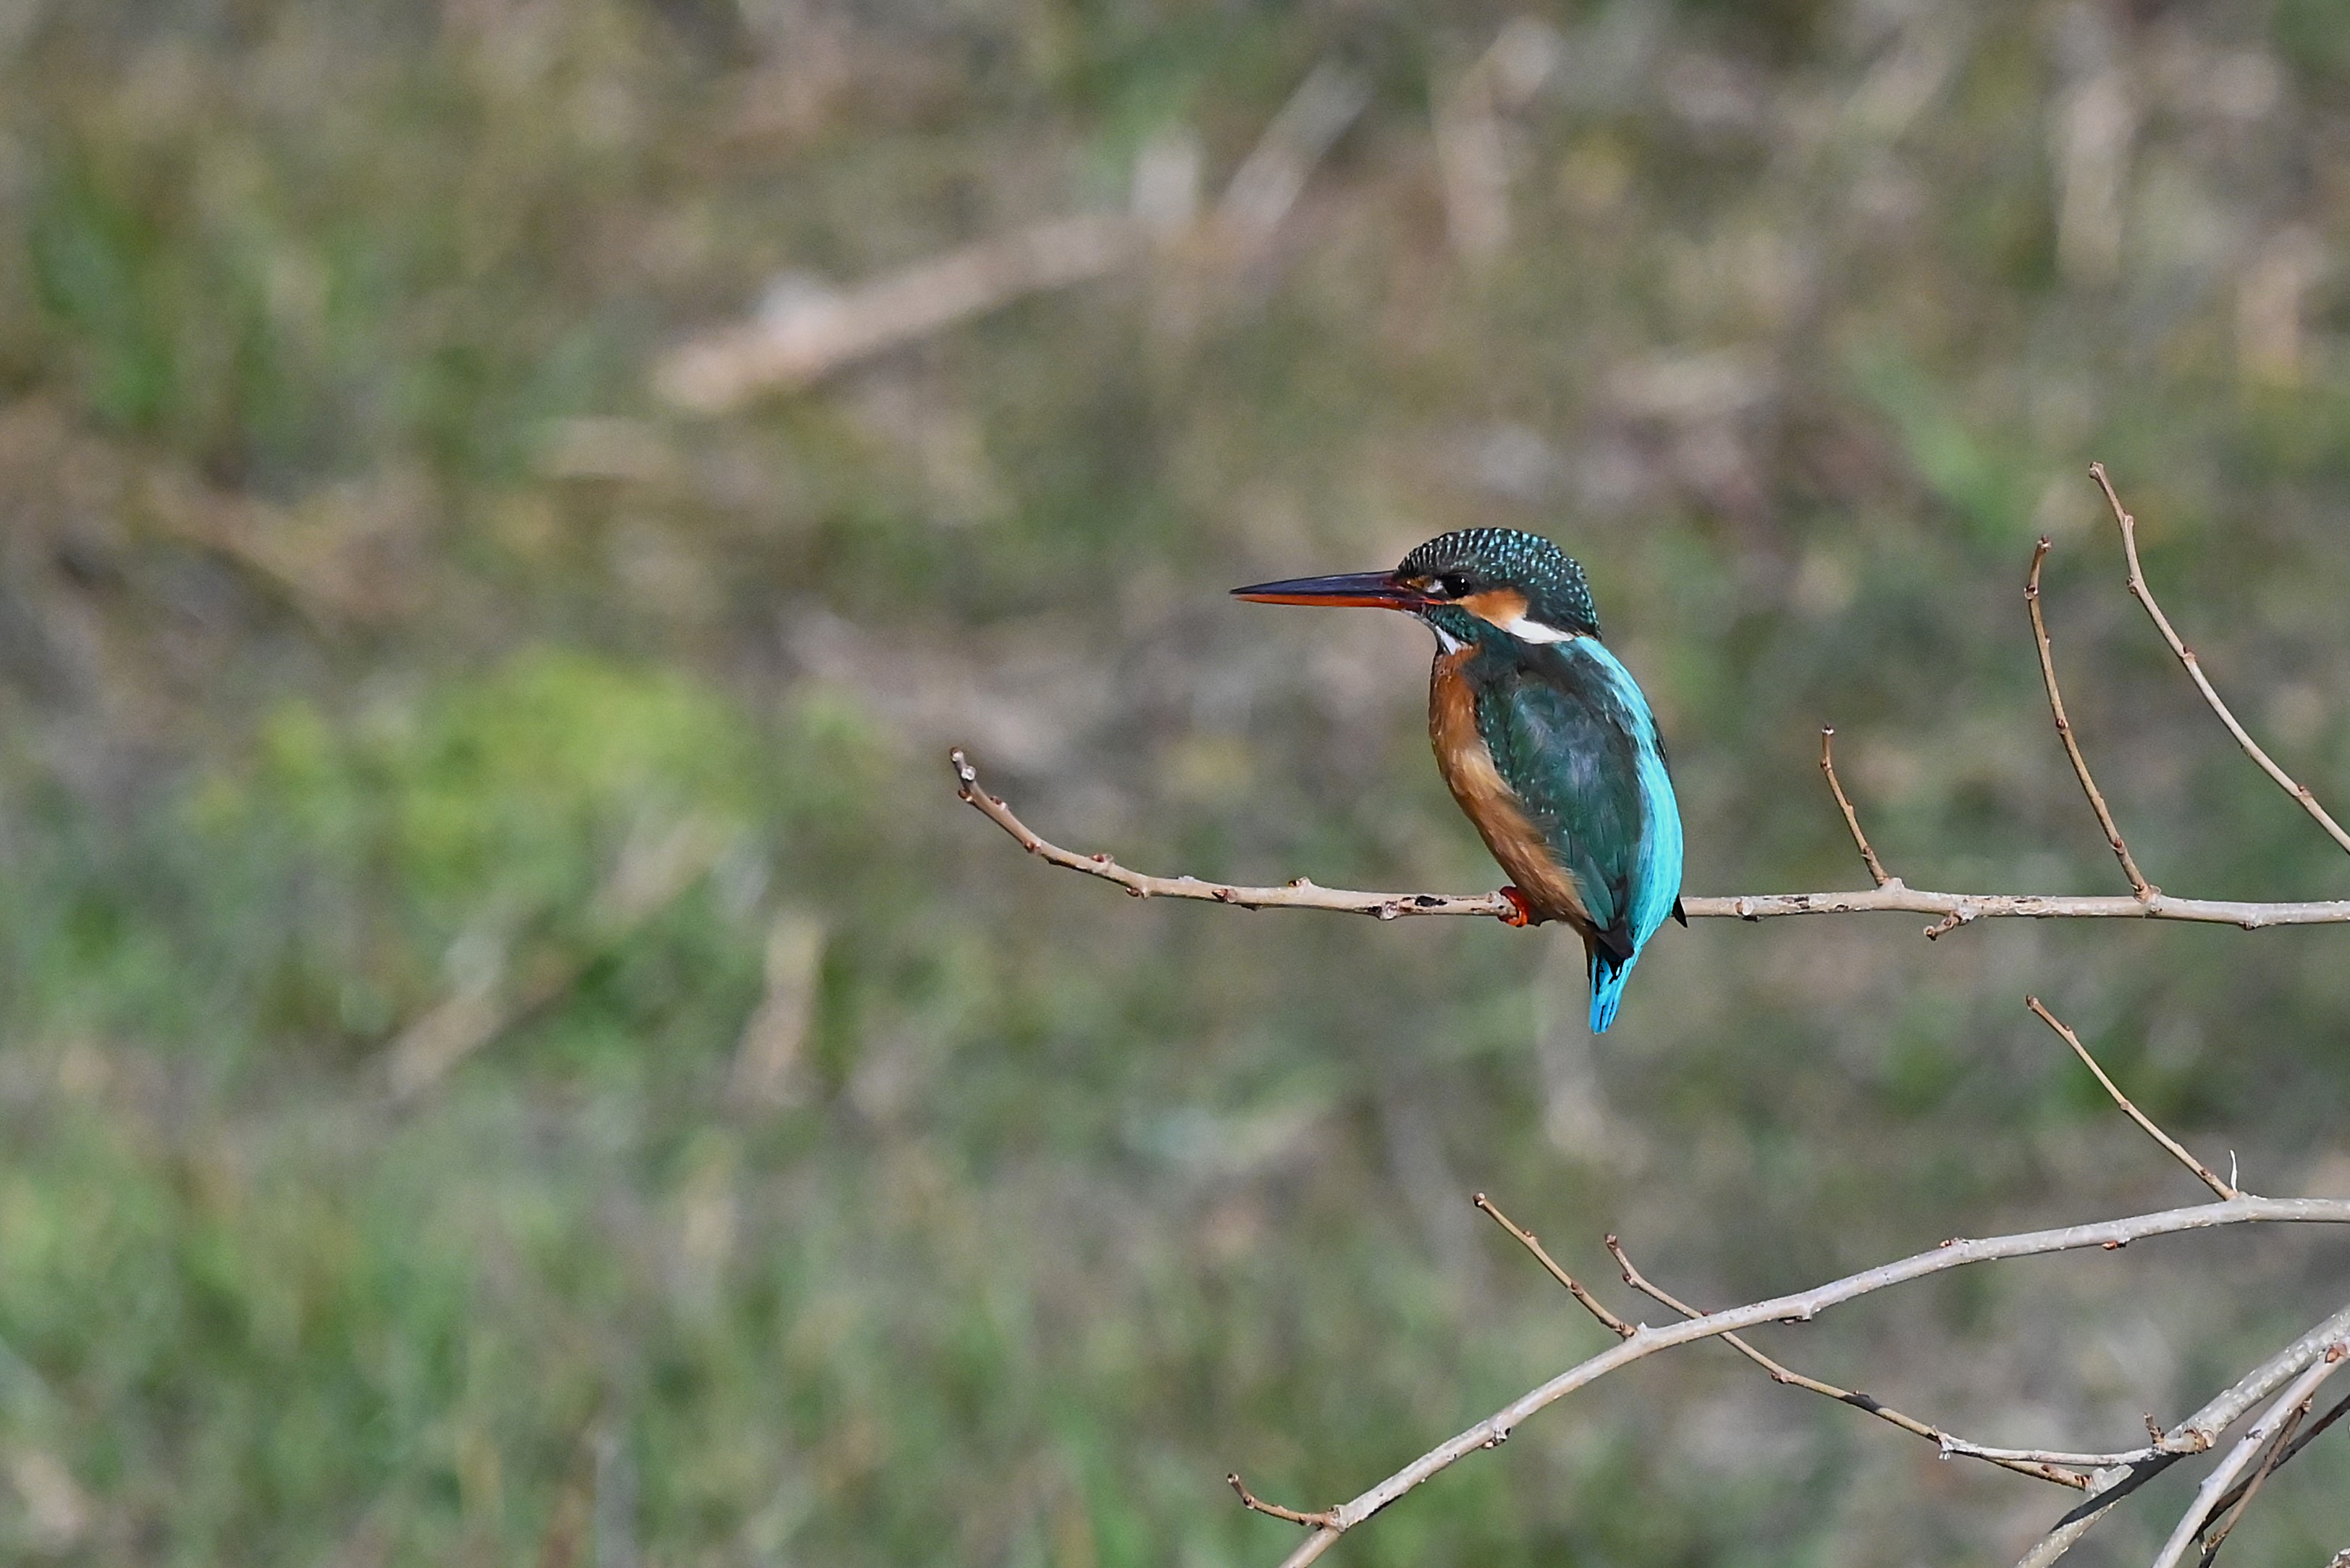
(1780, 1373)
(2138, 884)
(1526, 1239)
(1844, 804)
(2194, 667)
(2203, 1173)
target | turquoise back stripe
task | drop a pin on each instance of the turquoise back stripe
(1657, 875)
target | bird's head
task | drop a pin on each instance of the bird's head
(1461, 582)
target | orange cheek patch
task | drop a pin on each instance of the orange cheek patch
(1500, 606)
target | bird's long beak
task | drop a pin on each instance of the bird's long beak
(1380, 590)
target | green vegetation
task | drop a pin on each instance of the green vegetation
(791, 1171)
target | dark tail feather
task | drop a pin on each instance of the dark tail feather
(1608, 973)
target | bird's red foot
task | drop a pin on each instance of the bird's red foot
(1522, 909)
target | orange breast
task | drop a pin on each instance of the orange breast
(1487, 799)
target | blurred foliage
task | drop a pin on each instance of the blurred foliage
(815, 1179)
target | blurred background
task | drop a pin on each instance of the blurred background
(513, 1053)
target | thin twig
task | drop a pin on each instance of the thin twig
(1894, 897)
(1780, 1373)
(1964, 908)
(2194, 667)
(1526, 1239)
(1851, 817)
(2203, 1173)
(2138, 884)
(1801, 1307)
(2224, 1474)
(1251, 1500)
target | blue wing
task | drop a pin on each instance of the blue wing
(1573, 736)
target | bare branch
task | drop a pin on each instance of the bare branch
(1526, 1239)
(1964, 908)
(1249, 1499)
(2203, 1173)
(1300, 894)
(2224, 1474)
(2138, 884)
(1851, 817)
(1802, 1307)
(2194, 667)
(2023, 1464)
(1894, 897)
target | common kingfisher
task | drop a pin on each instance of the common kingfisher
(1542, 736)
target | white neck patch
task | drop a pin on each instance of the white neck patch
(1526, 630)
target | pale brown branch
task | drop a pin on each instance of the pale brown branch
(1894, 897)
(1802, 1307)
(2194, 667)
(1300, 894)
(2138, 884)
(2247, 1449)
(1964, 908)
(2023, 1464)
(1851, 817)
(1251, 1500)
(2203, 1173)
(1526, 1239)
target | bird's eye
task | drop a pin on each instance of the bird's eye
(1454, 585)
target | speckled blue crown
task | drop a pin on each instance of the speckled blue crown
(1552, 580)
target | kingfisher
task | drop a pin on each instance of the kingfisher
(1542, 736)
